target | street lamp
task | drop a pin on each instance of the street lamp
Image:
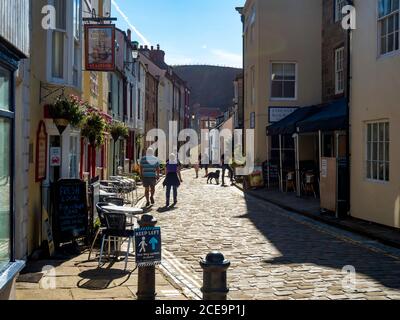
(135, 53)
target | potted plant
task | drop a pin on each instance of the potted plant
(94, 127)
(67, 111)
(119, 129)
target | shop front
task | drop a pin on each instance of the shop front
(10, 237)
(308, 154)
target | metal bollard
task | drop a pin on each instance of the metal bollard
(147, 275)
(214, 276)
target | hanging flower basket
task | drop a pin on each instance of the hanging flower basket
(94, 127)
(67, 111)
(118, 129)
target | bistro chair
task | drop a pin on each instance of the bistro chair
(115, 201)
(309, 184)
(290, 182)
(102, 227)
(116, 228)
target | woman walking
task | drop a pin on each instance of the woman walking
(173, 179)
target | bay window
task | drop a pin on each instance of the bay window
(6, 152)
(58, 39)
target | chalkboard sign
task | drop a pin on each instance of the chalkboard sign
(271, 173)
(70, 211)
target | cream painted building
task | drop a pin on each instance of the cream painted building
(56, 68)
(282, 62)
(375, 114)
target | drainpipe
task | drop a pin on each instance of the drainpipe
(348, 88)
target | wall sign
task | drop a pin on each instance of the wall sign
(148, 246)
(41, 152)
(276, 114)
(55, 157)
(100, 47)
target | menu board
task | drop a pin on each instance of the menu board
(70, 210)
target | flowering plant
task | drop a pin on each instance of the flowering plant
(119, 129)
(94, 127)
(71, 109)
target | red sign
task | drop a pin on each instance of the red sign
(41, 152)
(100, 47)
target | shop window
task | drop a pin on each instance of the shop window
(378, 151)
(6, 125)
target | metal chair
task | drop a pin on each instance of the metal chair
(116, 228)
(103, 224)
(115, 201)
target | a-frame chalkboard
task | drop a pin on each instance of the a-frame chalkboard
(70, 220)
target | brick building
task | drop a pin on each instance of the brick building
(334, 51)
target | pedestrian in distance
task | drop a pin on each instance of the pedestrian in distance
(197, 166)
(226, 167)
(173, 178)
(150, 173)
(205, 161)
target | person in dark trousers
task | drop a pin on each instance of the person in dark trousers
(173, 179)
(204, 164)
(225, 166)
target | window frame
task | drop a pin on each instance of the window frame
(338, 15)
(369, 157)
(10, 116)
(379, 20)
(337, 70)
(295, 81)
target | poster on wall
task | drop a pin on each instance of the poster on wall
(55, 157)
(41, 152)
(100, 47)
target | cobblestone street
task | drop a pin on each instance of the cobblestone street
(274, 254)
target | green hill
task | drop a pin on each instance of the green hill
(211, 86)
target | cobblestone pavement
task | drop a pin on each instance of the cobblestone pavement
(79, 279)
(274, 254)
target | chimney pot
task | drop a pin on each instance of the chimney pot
(158, 47)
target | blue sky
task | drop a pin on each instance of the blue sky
(189, 31)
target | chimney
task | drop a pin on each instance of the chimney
(129, 32)
(152, 48)
(158, 55)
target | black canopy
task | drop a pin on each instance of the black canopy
(288, 125)
(329, 118)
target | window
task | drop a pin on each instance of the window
(339, 70)
(283, 79)
(252, 24)
(388, 21)
(73, 157)
(378, 155)
(339, 4)
(252, 120)
(58, 39)
(6, 125)
(253, 86)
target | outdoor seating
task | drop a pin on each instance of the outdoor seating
(116, 229)
(102, 227)
(290, 182)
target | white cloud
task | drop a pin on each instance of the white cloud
(124, 16)
(227, 58)
(178, 59)
(204, 46)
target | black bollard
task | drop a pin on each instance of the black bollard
(147, 275)
(214, 276)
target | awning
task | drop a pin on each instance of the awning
(329, 118)
(288, 125)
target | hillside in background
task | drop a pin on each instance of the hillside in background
(211, 86)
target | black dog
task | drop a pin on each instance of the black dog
(213, 175)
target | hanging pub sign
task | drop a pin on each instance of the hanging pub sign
(100, 47)
(41, 152)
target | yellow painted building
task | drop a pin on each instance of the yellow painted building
(282, 62)
(375, 115)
